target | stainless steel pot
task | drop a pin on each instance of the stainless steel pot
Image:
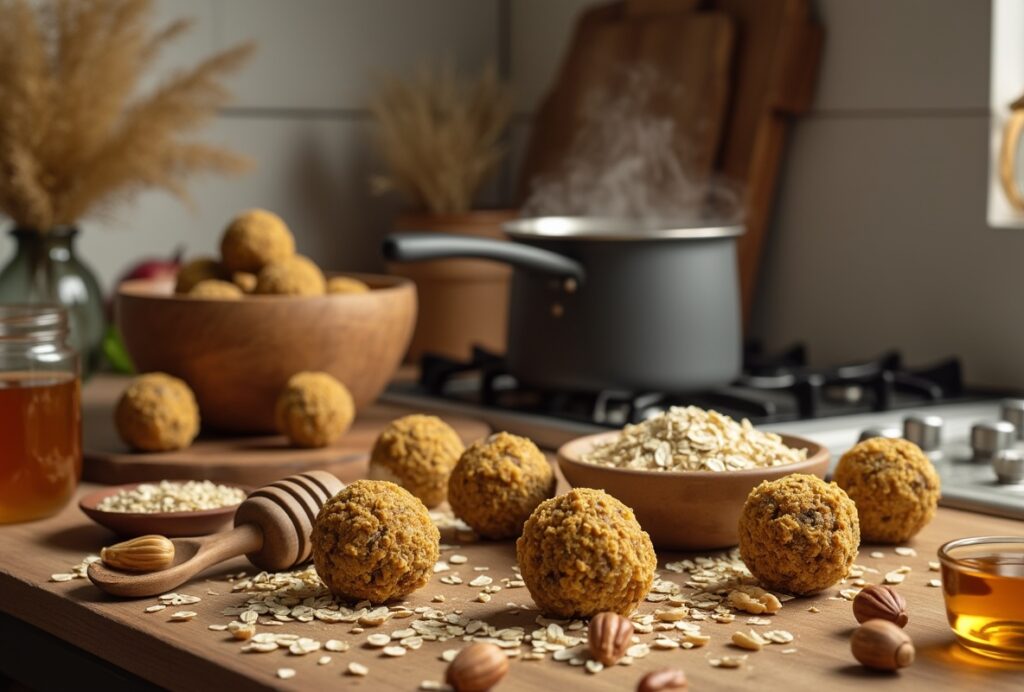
(610, 304)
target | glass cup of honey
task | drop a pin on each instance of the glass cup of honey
(983, 584)
(40, 413)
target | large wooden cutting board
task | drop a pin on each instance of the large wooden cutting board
(691, 53)
(252, 461)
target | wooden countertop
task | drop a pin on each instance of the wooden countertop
(186, 655)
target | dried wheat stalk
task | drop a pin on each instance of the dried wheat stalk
(440, 135)
(75, 133)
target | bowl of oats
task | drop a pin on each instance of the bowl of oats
(168, 508)
(687, 472)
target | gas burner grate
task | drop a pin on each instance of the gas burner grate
(773, 387)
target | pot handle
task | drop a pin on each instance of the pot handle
(415, 247)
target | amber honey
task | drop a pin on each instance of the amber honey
(983, 584)
(40, 443)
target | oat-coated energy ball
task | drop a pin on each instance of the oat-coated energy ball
(157, 413)
(295, 276)
(374, 541)
(254, 239)
(497, 484)
(215, 288)
(314, 409)
(417, 452)
(798, 534)
(346, 284)
(583, 553)
(196, 271)
(894, 486)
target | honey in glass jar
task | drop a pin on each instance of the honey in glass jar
(40, 413)
(983, 584)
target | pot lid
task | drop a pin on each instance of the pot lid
(607, 228)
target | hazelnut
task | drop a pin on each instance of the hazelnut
(882, 645)
(878, 602)
(664, 679)
(477, 668)
(609, 637)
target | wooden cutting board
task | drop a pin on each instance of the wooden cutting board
(690, 56)
(252, 461)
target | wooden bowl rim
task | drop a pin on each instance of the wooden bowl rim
(88, 504)
(153, 289)
(571, 451)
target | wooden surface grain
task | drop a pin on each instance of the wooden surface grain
(253, 460)
(188, 656)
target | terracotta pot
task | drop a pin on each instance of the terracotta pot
(462, 303)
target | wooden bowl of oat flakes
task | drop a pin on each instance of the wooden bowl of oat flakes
(687, 473)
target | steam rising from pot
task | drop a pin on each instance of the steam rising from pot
(629, 160)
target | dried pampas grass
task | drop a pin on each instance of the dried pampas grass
(440, 135)
(75, 135)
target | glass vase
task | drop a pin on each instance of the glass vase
(45, 269)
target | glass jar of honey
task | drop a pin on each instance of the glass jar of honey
(40, 413)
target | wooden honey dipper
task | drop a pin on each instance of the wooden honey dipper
(272, 529)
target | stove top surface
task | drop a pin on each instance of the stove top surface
(833, 406)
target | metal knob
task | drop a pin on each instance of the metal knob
(1012, 410)
(1009, 466)
(990, 437)
(924, 431)
(879, 431)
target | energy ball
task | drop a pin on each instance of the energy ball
(374, 541)
(245, 281)
(418, 453)
(314, 409)
(583, 553)
(346, 284)
(197, 271)
(215, 288)
(798, 534)
(157, 413)
(254, 239)
(497, 484)
(894, 486)
(295, 276)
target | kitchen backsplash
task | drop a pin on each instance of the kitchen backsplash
(879, 237)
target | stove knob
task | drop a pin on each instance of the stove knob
(1012, 410)
(990, 437)
(1009, 466)
(879, 431)
(924, 431)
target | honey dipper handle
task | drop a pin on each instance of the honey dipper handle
(192, 556)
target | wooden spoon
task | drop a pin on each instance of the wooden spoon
(272, 529)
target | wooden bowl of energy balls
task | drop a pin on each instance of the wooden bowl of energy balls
(237, 327)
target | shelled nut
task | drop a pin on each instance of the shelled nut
(664, 679)
(882, 645)
(143, 554)
(477, 668)
(609, 637)
(880, 602)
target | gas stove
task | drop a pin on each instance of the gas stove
(968, 433)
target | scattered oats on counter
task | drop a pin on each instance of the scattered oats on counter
(172, 496)
(935, 582)
(692, 439)
(77, 572)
